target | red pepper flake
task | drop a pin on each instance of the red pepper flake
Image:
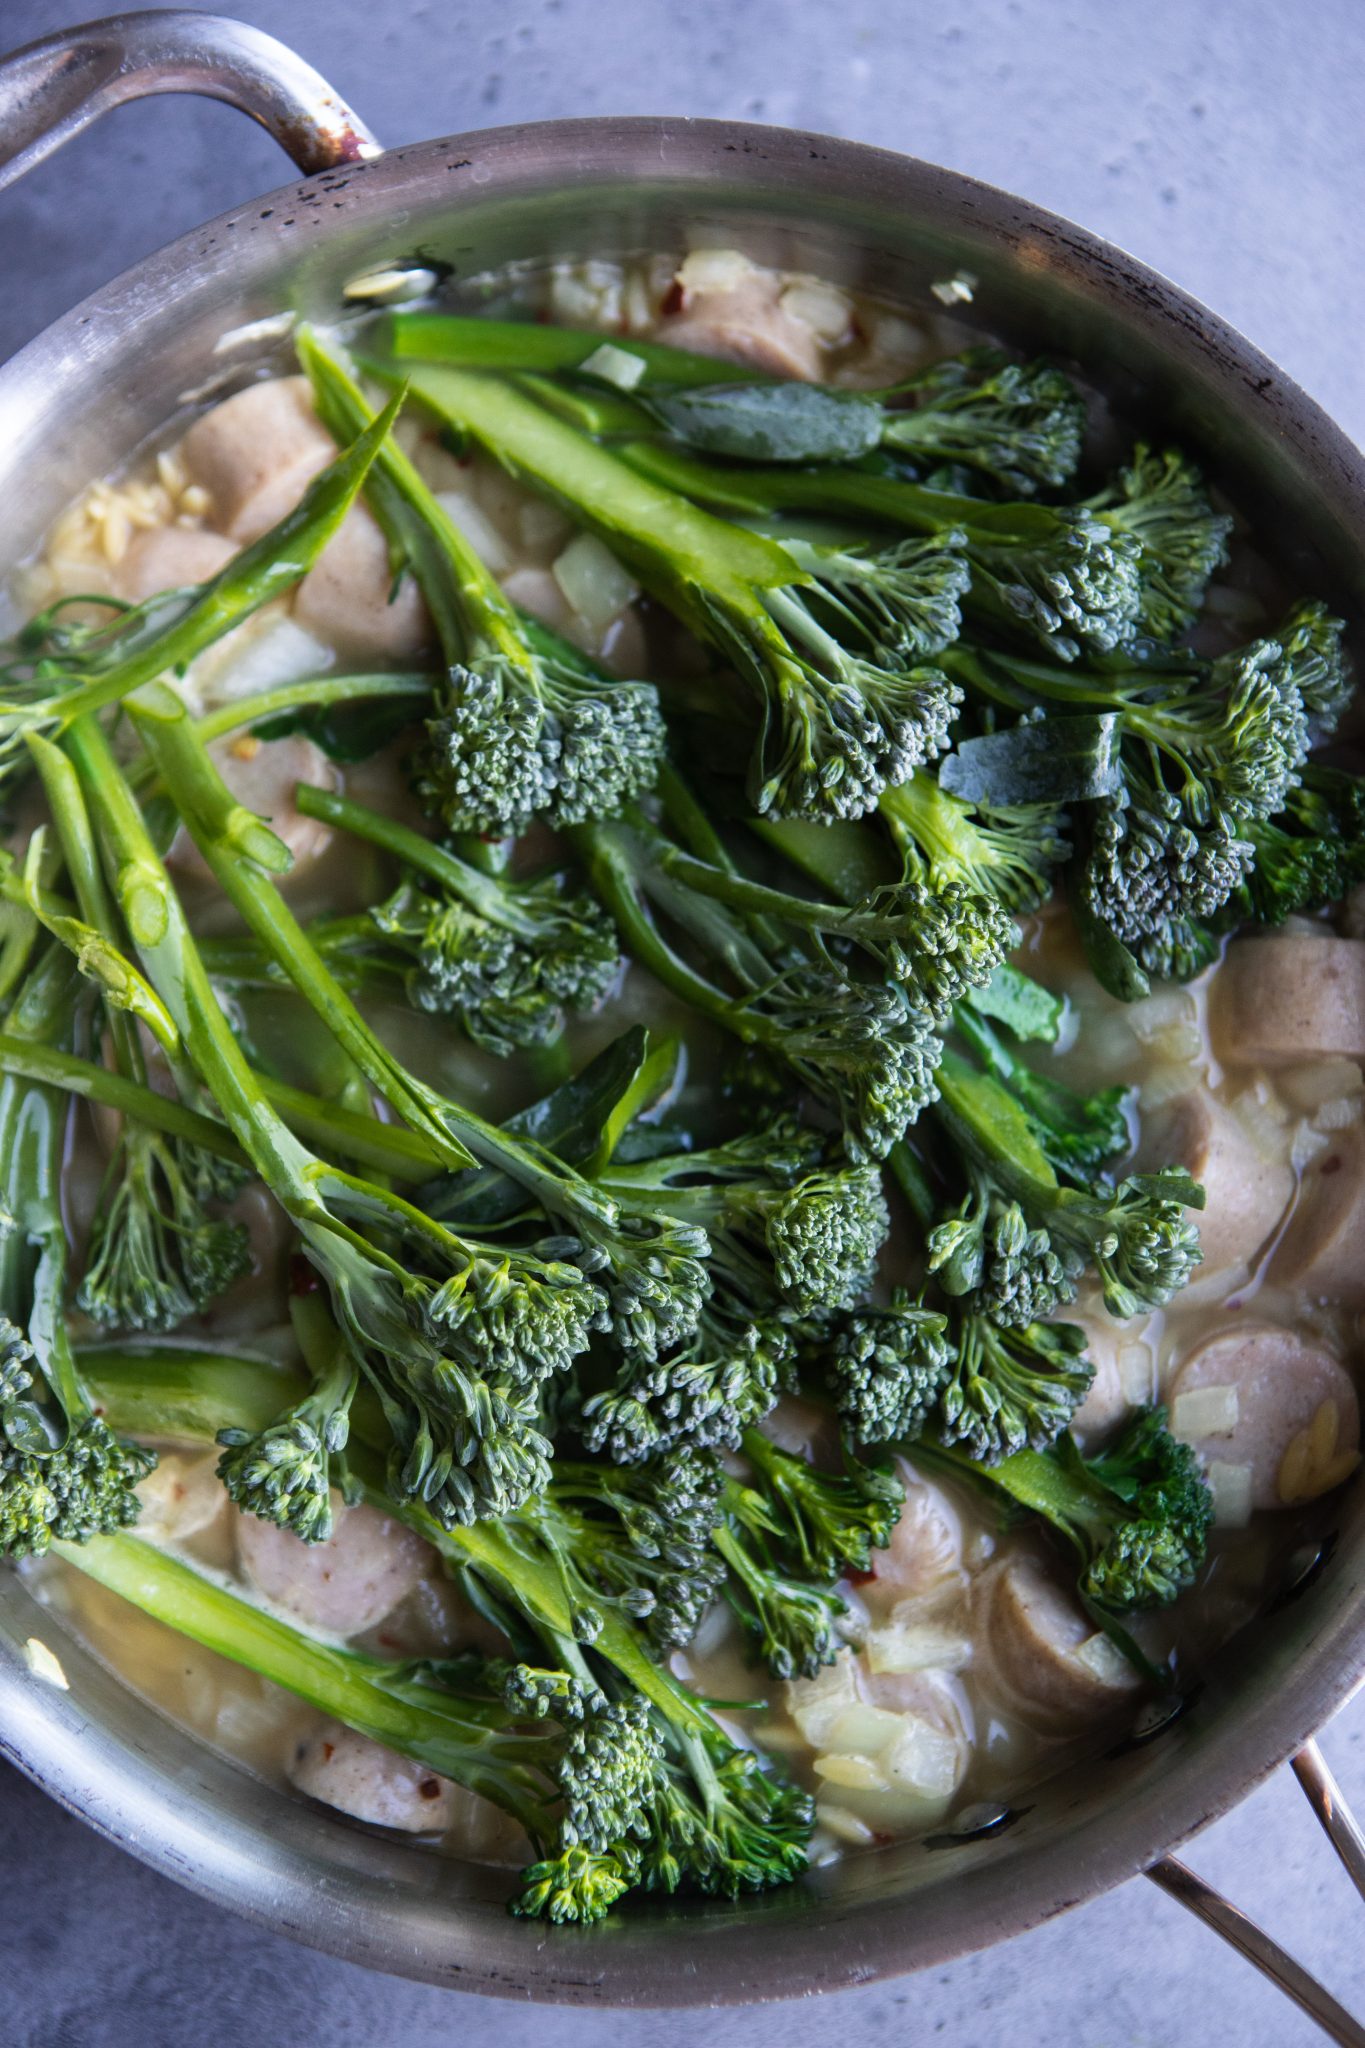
(862, 1578)
(390, 1642)
(672, 300)
(329, 1750)
(1332, 1165)
(430, 1788)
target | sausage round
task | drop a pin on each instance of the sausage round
(255, 454)
(343, 1586)
(1288, 998)
(1042, 1651)
(1292, 1417)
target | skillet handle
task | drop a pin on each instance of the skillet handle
(51, 90)
(1180, 1882)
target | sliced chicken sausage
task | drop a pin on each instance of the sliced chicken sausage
(1044, 1655)
(741, 315)
(1289, 998)
(350, 600)
(1322, 1251)
(362, 1778)
(170, 558)
(255, 453)
(1245, 1193)
(1268, 1403)
(343, 1586)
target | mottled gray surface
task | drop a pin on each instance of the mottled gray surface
(1220, 140)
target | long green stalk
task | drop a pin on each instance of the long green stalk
(214, 821)
(461, 1739)
(168, 1391)
(388, 1148)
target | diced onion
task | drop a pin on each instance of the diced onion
(261, 654)
(865, 1729)
(815, 1704)
(1262, 1118)
(1318, 1081)
(820, 307)
(1204, 1411)
(593, 581)
(612, 365)
(1340, 1114)
(846, 1827)
(854, 1773)
(45, 1663)
(1230, 1486)
(1102, 1657)
(925, 1758)
(1135, 1373)
(1155, 1017)
(917, 1647)
(714, 270)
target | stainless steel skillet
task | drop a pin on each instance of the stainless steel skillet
(112, 371)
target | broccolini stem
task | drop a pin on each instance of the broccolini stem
(389, 1148)
(316, 694)
(167, 1390)
(672, 545)
(72, 821)
(157, 926)
(236, 846)
(471, 342)
(614, 878)
(456, 1737)
(478, 890)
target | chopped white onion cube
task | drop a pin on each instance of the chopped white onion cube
(1204, 1411)
(854, 1773)
(593, 581)
(922, 1646)
(612, 365)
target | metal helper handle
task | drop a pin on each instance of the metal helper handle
(51, 90)
(1339, 1824)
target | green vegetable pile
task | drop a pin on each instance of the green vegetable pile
(959, 680)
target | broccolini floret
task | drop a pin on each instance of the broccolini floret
(1137, 1517)
(506, 956)
(524, 726)
(864, 1044)
(1018, 425)
(64, 1474)
(1161, 499)
(826, 639)
(156, 1256)
(1007, 855)
(902, 1373)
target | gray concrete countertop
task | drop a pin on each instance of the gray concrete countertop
(1220, 142)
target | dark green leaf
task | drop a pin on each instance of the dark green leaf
(1045, 760)
(772, 422)
(574, 1121)
(1111, 963)
(346, 732)
(1022, 1004)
